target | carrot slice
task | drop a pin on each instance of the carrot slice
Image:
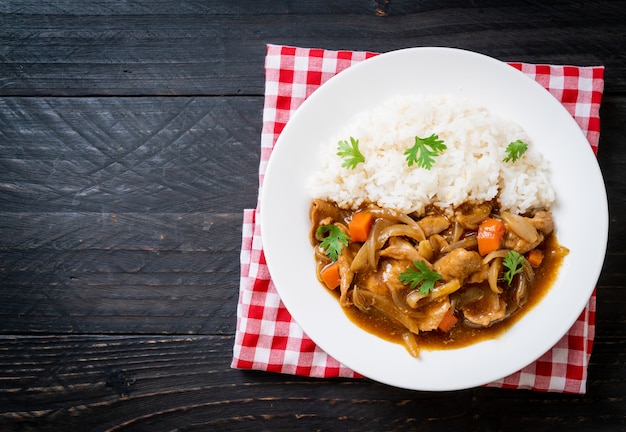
(535, 257)
(448, 321)
(360, 225)
(330, 275)
(490, 235)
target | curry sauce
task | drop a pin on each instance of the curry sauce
(462, 335)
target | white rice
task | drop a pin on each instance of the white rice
(471, 169)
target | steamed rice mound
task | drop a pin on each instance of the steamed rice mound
(471, 169)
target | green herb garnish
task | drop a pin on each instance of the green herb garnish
(420, 275)
(514, 264)
(515, 150)
(350, 153)
(334, 241)
(424, 151)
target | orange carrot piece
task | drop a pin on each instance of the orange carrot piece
(448, 321)
(535, 257)
(490, 235)
(330, 275)
(360, 225)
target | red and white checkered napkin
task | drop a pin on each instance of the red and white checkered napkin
(268, 339)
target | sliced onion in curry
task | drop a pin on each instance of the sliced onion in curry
(410, 343)
(469, 242)
(397, 216)
(492, 276)
(520, 226)
(500, 253)
(389, 309)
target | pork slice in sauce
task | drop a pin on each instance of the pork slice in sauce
(489, 309)
(459, 264)
(434, 312)
(513, 241)
(401, 249)
(433, 224)
(542, 221)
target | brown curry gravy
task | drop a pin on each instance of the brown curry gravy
(462, 335)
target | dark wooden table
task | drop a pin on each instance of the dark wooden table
(129, 145)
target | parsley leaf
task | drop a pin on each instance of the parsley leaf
(421, 275)
(424, 151)
(333, 242)
(513, 262)
(514, 150)
(351, 154)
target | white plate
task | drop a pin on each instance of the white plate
(581, 204)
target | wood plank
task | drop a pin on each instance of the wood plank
(156, 383)
(218, 50)
(113, 155)
(122, 293)
(612, 161)
(30, 232)
(191, 7)
(277, 7)
(160, 383)
(108, 273)
(124, 215)
(611, 158)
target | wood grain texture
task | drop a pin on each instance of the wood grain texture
(185, 154)
(124, 215)
(129, 146)
(207, 47)
(162, 383)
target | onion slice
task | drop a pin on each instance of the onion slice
(410, 343)
(469, 242)
(500, 253)
(520, 226)
(492, 275)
